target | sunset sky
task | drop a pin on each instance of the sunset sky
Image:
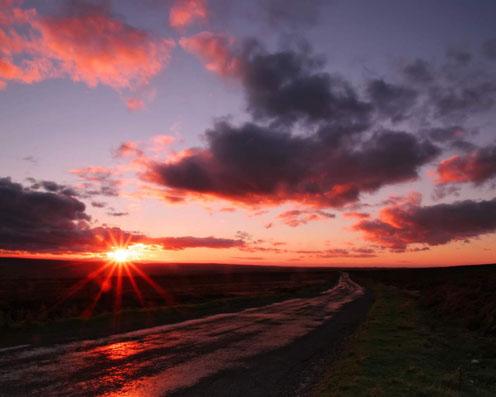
(338, 132)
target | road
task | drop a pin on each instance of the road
(258, 351)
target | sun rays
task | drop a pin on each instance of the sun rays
(119, 269)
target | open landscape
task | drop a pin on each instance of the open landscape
(228, 330)
(231, 198)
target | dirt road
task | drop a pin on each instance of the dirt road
(266, 350)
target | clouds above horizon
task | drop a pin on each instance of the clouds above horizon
(251, 121)
(316, 139)
(407, 222)
(48, 218)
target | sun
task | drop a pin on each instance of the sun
(120, 255)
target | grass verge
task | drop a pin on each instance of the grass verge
(402, 350)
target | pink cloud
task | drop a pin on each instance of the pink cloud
(87, 43)
(134, 104)
(185, 12)
(215, 50)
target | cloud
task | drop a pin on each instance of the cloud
(356, 215)
(214, 50)
(296, 218)
(283, 86)
(98, 204)
(408, 222)
(289, 85)
(392, 101)
(115, 213)
(419, 71)
(253, 164)
(339, 253)
(49, 220)
(134, 104)
(98, 181)
(42, 220)
(451, 136)
(83, 41)
(477, 167)
(51, 186)
(128, 149)
(185, 12)
(180, 243)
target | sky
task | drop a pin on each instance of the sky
(264, 132)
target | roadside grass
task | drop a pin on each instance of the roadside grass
(403, 350)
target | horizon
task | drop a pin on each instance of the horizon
(266, 265)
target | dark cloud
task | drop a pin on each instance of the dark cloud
(314, 138)
(54, 222)
(408, 223)
(451, 91)
(289, 85)
(255, 164)
(115, 213)
(390, 100)
(463, 100)
(41, 221)
(53, 187)
(418, 71)
(451, 136)
(98, 204)
(442, 191)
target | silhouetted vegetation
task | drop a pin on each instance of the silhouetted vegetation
(464, 295)
(36, 305)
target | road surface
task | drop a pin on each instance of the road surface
(258, 351)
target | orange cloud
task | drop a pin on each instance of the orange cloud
(185, 12)
(477, 167)
(407, 222)
(215, 51)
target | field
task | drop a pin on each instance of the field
(430, 332)
(43, 307)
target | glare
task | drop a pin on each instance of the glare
(125, 254)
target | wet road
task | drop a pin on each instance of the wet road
(172, 358)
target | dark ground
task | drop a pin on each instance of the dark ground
(35, 305)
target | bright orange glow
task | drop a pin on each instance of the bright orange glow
(123, 254)
(119, 255)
